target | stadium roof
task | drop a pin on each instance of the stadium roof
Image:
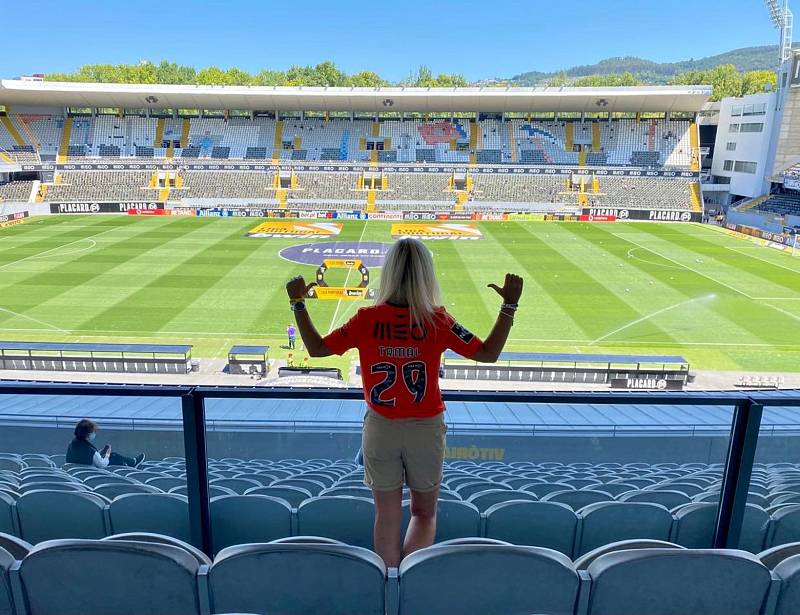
(486, 99)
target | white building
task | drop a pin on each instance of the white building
(743, 154)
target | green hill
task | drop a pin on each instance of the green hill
(745, 59)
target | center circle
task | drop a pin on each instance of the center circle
(370, 253)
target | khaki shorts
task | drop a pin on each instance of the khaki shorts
(398, 451)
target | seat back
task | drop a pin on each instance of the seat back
(6, 597)
(241, 519)
(607, 522)
(159, 513)
(48, 515)
(788, 571)
(161, 539)
(539, 524)
(769, 557)
(582, 563)
(677, 582)
(578, 499)
(98, 577)
(344, 518)
(786, 524)
(486, 580)
(291, 578)
(17, 547)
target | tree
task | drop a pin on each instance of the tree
(755, 81)
(611, 80)
(557, 81)
(725, 80)
(367, 79)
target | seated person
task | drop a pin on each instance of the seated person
(83, 451)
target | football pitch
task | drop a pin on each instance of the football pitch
(721, 302)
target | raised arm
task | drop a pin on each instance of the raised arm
(496, 340)
(297, 289)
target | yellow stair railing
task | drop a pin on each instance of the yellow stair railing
(596, 145)
(12, 130)
(376, 129)
(371, 200)
(569, 142)
(474, 132)
(277, 143)
(27, 130)
(158, 140)
(582, 156)
(697, 197)
(66, 133)
(185, 132)
(694, 143)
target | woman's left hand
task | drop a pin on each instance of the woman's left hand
(297, 288)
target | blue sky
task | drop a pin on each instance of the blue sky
(477, 38)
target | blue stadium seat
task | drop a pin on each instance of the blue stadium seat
(490, 497)
(241, 519)
(677, 582)
(583, 562)
(667, 499)
(6, 598)
(159, 513)
(161, 539)
(96, 577)
(346, 518)
(16, 546)
(487, 580)
(297, 579)
(788, 571)
(453, 520)
(785, 525)
(539, 524)
(237, 485)
(769, 557)
(165, 483)
(114, 490)
(294, 495)
(579, 498)
(607, 522)
(47, 515)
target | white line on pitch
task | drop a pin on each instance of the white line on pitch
(32, 319)
(763, 260)
(39, 254)
(692, 269)
(346, 279)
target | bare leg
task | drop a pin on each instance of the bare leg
(422, 529)
(388, 520)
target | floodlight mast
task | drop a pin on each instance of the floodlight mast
(783, 20)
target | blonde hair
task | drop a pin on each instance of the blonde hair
(408, 278)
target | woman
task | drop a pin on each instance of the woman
(83, 451)
(400, 341)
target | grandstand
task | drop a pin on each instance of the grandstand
(424, 161)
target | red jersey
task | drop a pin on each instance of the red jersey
(399, 362)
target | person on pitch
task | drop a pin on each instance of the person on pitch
(400, 341)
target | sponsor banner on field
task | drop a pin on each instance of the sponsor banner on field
(387, 215)
(184, 211)
(655, 215)
(437, 231)
(103, 207)
(461, 215)
(647, 383)
(419, 215)
(590, 218)
(17, 215)
(764, 238)
(490, 216)
(349, 215)
(371, 254)
(232, 212)
(354, 168)
(296, 229)
(339, 292)
(148, 212)
(526, 217)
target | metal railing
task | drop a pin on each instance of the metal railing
(744, 430)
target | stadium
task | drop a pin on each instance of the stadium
(634, 449)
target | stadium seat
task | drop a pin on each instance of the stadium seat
(241, 519)
(346, 518)
(297, 579)
(677, 582)
(453, 519)
(770, 557)
(79, 515)
(668, 499)
(8, 513)
(7, 606)
(165, 483)
(16, 546)
(294, 495)
(158, 513)
(785, 525)
(237, 485)
(788, 571)
(95, 577)
(607, 522)
(201, 557)
(487, 580)
(579, 498)
(113, 490)
(314, 487)
(539, 524)
(582, 563)
(485, 499)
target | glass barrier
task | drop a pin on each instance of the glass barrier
(91, 466)
(572, 477)
(772, 516)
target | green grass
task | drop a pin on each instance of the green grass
(723, 303)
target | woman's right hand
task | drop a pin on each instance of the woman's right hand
(512, 288)
(297, 288)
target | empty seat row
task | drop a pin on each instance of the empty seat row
(141, 575)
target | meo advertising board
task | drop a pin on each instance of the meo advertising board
(279, 228)
(468, 232)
